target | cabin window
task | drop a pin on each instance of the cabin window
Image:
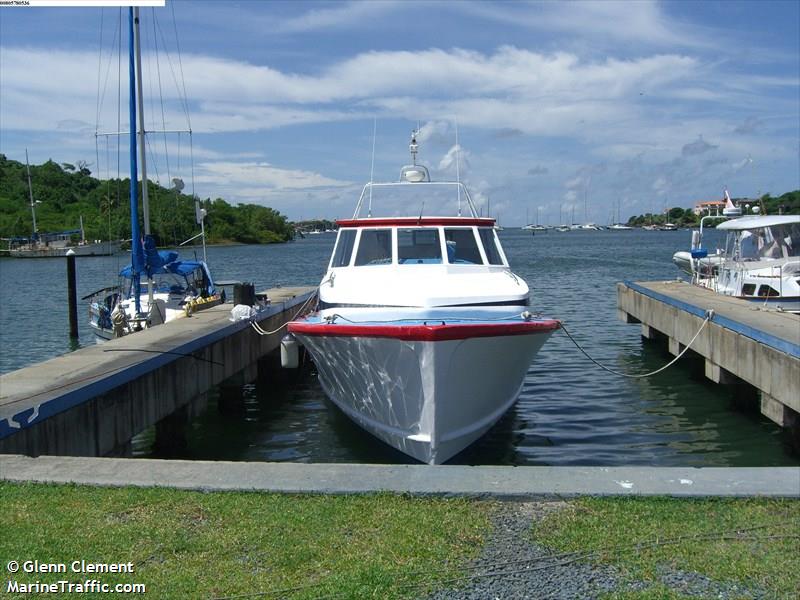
(418, 246)
(462, 248)
(344, 248)
(490, 246)
(748, 289)
(374, 247)
(766, 291)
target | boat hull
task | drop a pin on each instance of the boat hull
(427, 390)
(169, 308)
(94, 249)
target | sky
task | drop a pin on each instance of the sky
(564, 111)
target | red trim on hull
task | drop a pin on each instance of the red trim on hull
(424, 333)
(416, 221)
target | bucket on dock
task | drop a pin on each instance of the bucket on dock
(244, 293)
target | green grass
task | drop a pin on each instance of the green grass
(755, 542)
(195, 545)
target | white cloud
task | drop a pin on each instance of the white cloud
(338, 15)
(264, 175)
(511, 88)
(642, 22)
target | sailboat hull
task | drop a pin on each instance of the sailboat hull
(93, 249)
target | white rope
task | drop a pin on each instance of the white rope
(709, 316)
(260, 331)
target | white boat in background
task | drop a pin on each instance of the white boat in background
(619, 227)
(760, 261)
(49, 245)
(423, 335)
(706, 265)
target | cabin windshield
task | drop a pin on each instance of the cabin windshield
(419, 246)
(767, 243)
(462, 247)
(376, 246)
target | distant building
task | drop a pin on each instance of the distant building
(710, 207)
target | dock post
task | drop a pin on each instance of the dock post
(72, 295)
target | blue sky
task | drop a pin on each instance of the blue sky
(588, 107)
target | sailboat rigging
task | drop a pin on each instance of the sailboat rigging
(174, 287)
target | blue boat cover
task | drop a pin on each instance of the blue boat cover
(167, 263)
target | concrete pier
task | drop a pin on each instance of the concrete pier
(91, 402)
(502, 483)
(743, 343)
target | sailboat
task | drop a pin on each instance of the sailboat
(172, 287)
(619, 225)
(48, 245)
(530, 226)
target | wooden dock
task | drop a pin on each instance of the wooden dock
(91, 402)
(743, 342)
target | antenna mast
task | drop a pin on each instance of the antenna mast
(142, 150)
(372, 167)
(30, 194)
(458, 169)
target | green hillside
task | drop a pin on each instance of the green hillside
(65, 193)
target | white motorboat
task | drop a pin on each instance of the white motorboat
(423, 336)
(706, 264)
(760, 261)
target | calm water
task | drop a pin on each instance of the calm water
(569, 413)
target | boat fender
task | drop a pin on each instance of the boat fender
(290, 352)
(119, 321)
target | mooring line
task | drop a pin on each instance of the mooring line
(709, 316)
(260, 331)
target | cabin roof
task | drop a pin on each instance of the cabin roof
(756, 221)
(416, 221)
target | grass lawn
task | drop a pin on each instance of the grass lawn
(257, 545)
(755, 542)
(194, 545)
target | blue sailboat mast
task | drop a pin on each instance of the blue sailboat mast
(137, 259)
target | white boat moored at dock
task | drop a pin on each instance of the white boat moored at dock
(760, 261)
(423, 336)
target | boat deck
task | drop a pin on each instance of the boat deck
(744, 342)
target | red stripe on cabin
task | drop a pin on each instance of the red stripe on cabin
(416, 221)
